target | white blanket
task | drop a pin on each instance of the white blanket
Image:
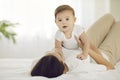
(19, 69)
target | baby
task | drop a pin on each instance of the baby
(68, 31)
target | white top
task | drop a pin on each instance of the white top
(70, 43)
(77, 65)
(82, 66)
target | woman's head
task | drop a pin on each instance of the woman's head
(49, 66)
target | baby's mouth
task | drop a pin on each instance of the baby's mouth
(64, 26)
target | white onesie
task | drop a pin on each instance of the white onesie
(70, 43)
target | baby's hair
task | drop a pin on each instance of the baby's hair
(63, 8)
(48, 66)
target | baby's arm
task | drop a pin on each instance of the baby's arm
(84, 41)
(58, 48)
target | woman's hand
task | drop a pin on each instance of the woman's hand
(59, 51)
(79, 42)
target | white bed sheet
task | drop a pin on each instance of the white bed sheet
(19, 69)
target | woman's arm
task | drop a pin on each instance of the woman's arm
(100, 59)
(97, 57)
(58, 48)
(83, 40)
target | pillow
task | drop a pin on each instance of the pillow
(97, 32)
(111, 44)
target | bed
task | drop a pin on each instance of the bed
(19, 69)
(103, 33)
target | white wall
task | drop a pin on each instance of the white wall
(107, 6)
(101, 7)
(26, 47)
(35, 34)
(115, 8)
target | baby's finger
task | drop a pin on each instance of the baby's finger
(80, 58)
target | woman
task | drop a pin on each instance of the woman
(53, 63)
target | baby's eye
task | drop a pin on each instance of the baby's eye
(67, 19)
(60, 20)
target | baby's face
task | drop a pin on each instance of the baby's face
(65, 20)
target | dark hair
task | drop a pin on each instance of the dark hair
(63, 8)
(48, 66)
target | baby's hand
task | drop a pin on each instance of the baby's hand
(82, 56)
